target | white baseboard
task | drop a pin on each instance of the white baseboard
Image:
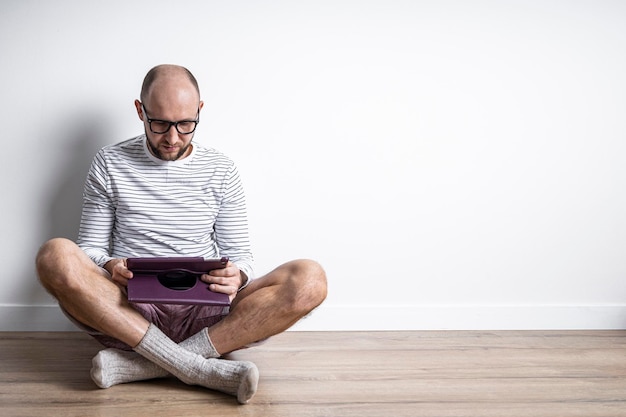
(34, 319)
(376, 318)
(466, 317)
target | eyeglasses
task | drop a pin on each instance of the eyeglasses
(184, 127)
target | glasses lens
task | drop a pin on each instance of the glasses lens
(159, 127)
(186, 127)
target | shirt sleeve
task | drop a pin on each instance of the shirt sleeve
(231, 226)
(98, 213)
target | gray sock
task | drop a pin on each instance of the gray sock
(113, 366)
(160, 355)
(238, 378)
(201, 344)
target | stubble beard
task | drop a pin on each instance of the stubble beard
(156, 152)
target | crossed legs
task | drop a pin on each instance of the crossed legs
(267, 306)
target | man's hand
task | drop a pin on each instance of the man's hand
(226, 280)
(120, 274)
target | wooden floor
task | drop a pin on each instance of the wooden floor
(530, 373)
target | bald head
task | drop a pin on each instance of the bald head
(169, 97)
(167, 74)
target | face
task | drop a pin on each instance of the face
(171, 102)
(172, 144)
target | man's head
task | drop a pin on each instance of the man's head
(169, 108)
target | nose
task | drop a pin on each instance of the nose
(171, 136)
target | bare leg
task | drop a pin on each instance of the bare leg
(86, 292)
(270, 305)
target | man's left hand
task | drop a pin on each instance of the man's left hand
(227, 280)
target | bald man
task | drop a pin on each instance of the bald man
(161, 194)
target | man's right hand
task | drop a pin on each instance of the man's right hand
(120, 274)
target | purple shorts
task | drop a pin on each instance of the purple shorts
(178, 322)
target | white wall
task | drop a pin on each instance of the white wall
(452, 164)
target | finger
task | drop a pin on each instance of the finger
(223, 281)
(225, 289)
(122, 270)
(120, 280)
(223, 272)
(125, 271)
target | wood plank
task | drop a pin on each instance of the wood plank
(450, 373)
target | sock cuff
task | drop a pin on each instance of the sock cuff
(210, 343)
(201, 344)
(154, 339)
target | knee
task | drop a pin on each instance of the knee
(309, 279)
(52, 251)
(50, 260)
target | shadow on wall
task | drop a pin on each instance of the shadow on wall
(77, 147)
(81, 146)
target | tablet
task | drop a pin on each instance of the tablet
(174, 280)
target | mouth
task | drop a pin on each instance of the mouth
(170, 148)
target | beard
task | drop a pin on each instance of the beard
(156, 152)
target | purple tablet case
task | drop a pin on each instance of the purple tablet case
(174, 280)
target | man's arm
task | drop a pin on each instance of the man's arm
(98, 214)
(231, 229)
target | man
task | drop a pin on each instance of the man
(160, 194)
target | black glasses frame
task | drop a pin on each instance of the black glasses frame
(175, 124)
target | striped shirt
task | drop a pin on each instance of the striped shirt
(136, 205)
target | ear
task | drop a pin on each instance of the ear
(139, 109)
(200, 105)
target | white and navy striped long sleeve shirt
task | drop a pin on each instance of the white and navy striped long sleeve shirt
(135, 204)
